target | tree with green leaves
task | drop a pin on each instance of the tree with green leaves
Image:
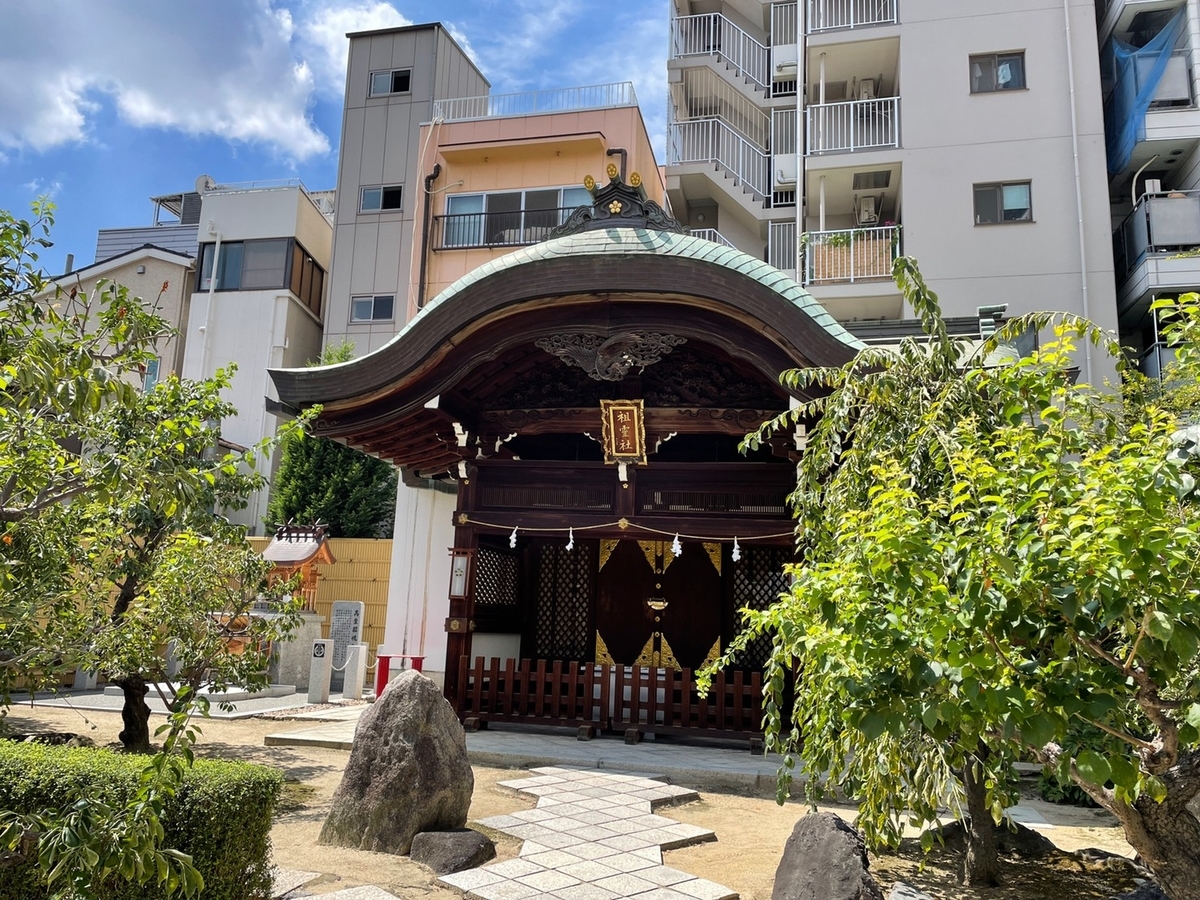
(992, 557)
(106, 499)
(320, 480)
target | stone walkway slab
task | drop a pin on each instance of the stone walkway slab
(592, 836)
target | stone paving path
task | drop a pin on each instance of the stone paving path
(592, 836)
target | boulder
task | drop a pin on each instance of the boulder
(1012, 839)
(452, 851)
(1145, 891)
(407, 773)
(824, 859)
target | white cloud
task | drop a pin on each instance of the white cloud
(322, 36)
(40, 188)
(226, 69)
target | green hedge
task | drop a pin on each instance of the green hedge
(221, 814)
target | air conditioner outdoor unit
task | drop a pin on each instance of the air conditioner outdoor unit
(867, 213)
(866, 89)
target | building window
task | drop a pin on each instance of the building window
(508, 219)
(263, 265)
(992, 72)
(999, 204)
(308, 280)
(378, 308)
(395, 81)
(382, 198)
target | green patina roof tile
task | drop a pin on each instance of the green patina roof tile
(628, 242)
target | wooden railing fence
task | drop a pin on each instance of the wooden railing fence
(552, 692)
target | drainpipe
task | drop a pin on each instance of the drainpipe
(1083, 274)
(821, 207)
(1193, 26)
(428, 198)
(205, 345)
(613, 151)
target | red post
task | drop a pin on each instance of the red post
(382, 664)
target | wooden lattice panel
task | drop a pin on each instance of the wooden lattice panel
(758, 580)
(495, 579)
(564, 596)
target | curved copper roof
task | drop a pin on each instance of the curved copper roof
(629, 265)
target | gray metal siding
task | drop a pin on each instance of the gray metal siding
(112, 242)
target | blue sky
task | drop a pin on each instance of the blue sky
(103, 105)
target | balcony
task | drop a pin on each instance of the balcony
(1150, 250)
(850, 256)
(852, 126)
(532, 103)
(467, 231)
(711, 34)
(834, 15)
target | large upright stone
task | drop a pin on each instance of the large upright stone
(824, 859)
(408, 771)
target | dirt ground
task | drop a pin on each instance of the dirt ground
(751, 831)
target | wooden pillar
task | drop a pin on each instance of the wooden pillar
(461, 621)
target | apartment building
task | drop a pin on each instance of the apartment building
(394, 76)
(240, 270)
(826, 136)
(1151, 85)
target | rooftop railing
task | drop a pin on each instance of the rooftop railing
(530, 103)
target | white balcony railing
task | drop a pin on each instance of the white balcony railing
(711, 234)
(713, 34)
(782, 247)
(828, 15)
(531, 103)
(852, 125)
(856, 254)
(712, 141)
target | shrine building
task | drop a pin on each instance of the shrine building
(577, 529)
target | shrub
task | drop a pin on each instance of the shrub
(221, 815)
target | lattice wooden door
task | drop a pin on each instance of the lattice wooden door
(497, 589)
(758, 580)
(563, 590)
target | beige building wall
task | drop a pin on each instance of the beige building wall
(165, 284)
(555, 150)
(372, 251)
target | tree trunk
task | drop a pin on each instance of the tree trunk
(135, 714)
(983, 842)
(1167, 835)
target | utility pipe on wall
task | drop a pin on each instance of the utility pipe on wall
(821, 204)
(1083, 269)
(1193, 27)
(206, 344)
(425, 213)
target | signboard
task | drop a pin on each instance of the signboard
(623, 431)
(345, 628)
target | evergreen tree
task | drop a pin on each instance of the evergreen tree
(320, 480)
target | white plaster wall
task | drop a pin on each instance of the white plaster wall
(420, 578)
(248, 215)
